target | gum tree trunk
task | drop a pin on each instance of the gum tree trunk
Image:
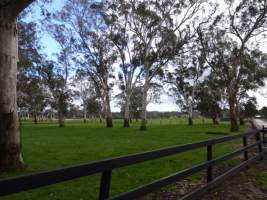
(108, 114)
(100, 118)
(84, 113)
(136, 119)
(190, 115)
(215, 120)
(61, 109)
(241, 121)
(126, 123)
(190, 121)
(191, 109)
(233, 116)
(35, 118)
(143, 126)
(61, 119)
(10, 140)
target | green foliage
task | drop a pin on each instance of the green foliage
(249, 108)
(263, 111)
(234, 59)
(31, 93)
(56, 83)
(209, 101)
(94, 107)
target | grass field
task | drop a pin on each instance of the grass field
(45, 146)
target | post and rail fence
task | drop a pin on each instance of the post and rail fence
(14, 185)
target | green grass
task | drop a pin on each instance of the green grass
(45, 146)
(260, 175)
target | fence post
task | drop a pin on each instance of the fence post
(105, 185)
(209, 158)
(258, 136)
(245, 143)
(264, 139)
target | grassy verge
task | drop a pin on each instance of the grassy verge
(45, 146)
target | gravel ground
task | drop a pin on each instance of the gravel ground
(244, 186)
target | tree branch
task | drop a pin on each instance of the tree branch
(19, 6)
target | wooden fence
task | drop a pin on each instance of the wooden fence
(26, 182)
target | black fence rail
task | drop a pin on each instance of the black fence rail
(26, 182)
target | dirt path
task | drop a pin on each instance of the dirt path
(250, 184)
(260, 122)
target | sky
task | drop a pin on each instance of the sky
(167, 103)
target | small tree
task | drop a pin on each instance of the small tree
(248, 109)
(184, 80)
(136, 104)
(94, 108)
(85, 90)
(56, 84)
(208, 100)
(263, 111)
(32, 96)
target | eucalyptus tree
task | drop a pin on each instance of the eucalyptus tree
(31, 94)
(209, 99)
(248, 109)
(94, 107)
(29, 48)
(237, 81)
(263, 112)
(184, 80)
(65, 64)
(10, 140)
(93, 51)
(99, 67)
(128, 82)
(232, 54)
(159, 29)
(117, 18)
(56, 76)
(136, 104)
(247, 21)
(55, 80)
(84, 88)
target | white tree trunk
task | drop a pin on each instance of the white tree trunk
(144, 102)
(191, 104)
(10, 140)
